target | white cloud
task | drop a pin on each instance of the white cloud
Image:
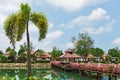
(54, 35)
(67, 45)
(14, 5)
(50, 24)
(96, 22)
(4, 42)
(50, 38)
(33, 28)
(99, 30)
(96, 15)
(2, 18)
(116, 41)
(74, 5)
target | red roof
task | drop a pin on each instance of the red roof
(7, 53)
(45, 55)
(69, 51)
(69, 54)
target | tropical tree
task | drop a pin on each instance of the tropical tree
(31, 46)
(21, 54)
(83, 44)
(3, 58)
(114, 52)
(17, 24)
(1, 52)
(97, 52)
(107, 59)
(40, 52)
(12, 55)
(8, 49)
(56, 53)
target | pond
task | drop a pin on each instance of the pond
(42, 74)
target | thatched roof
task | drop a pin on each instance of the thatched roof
(69, 54)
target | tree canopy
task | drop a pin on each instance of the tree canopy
(114, 52)
(97, 52)
(56, 53)
(83, 44)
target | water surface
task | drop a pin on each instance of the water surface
(47, 74)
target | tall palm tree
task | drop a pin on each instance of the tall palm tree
(17, 24)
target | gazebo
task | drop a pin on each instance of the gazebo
(69, 56)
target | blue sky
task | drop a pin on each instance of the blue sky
(68, 18)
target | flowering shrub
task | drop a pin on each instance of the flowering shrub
(104, 68)
(55, 63)
(116, 69)
(74, 65)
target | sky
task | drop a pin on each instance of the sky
(67, 18)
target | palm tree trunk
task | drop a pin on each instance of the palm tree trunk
(28, 55)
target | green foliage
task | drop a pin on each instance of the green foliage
(13, 52)
(10, 28)
(97, 52)
(108, 58)
(40, 52)
(12, 55)
(3, 58)
(8, 49)
(56, 53)
(114, 52)
(22, 20)
(21, 50)
(83, 44)
(40, 20)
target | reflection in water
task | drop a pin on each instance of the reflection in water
(53, 74)
(16, 77)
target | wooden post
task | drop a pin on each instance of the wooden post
(89, 74)
(82, 72)
(109, 77)
(115, 77)
(98, 76)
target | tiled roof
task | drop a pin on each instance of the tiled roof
(7, 53)
(45, 55)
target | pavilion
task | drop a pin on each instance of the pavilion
(69, 56)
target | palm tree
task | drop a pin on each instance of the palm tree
(17, 24)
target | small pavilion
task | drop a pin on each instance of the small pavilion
(69, 56)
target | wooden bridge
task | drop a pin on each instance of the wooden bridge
(88, 68)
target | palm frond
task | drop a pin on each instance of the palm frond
(40, 20)
(22, 20)
(21, 24)
(10, 28)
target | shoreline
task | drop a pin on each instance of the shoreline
(23, 65)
